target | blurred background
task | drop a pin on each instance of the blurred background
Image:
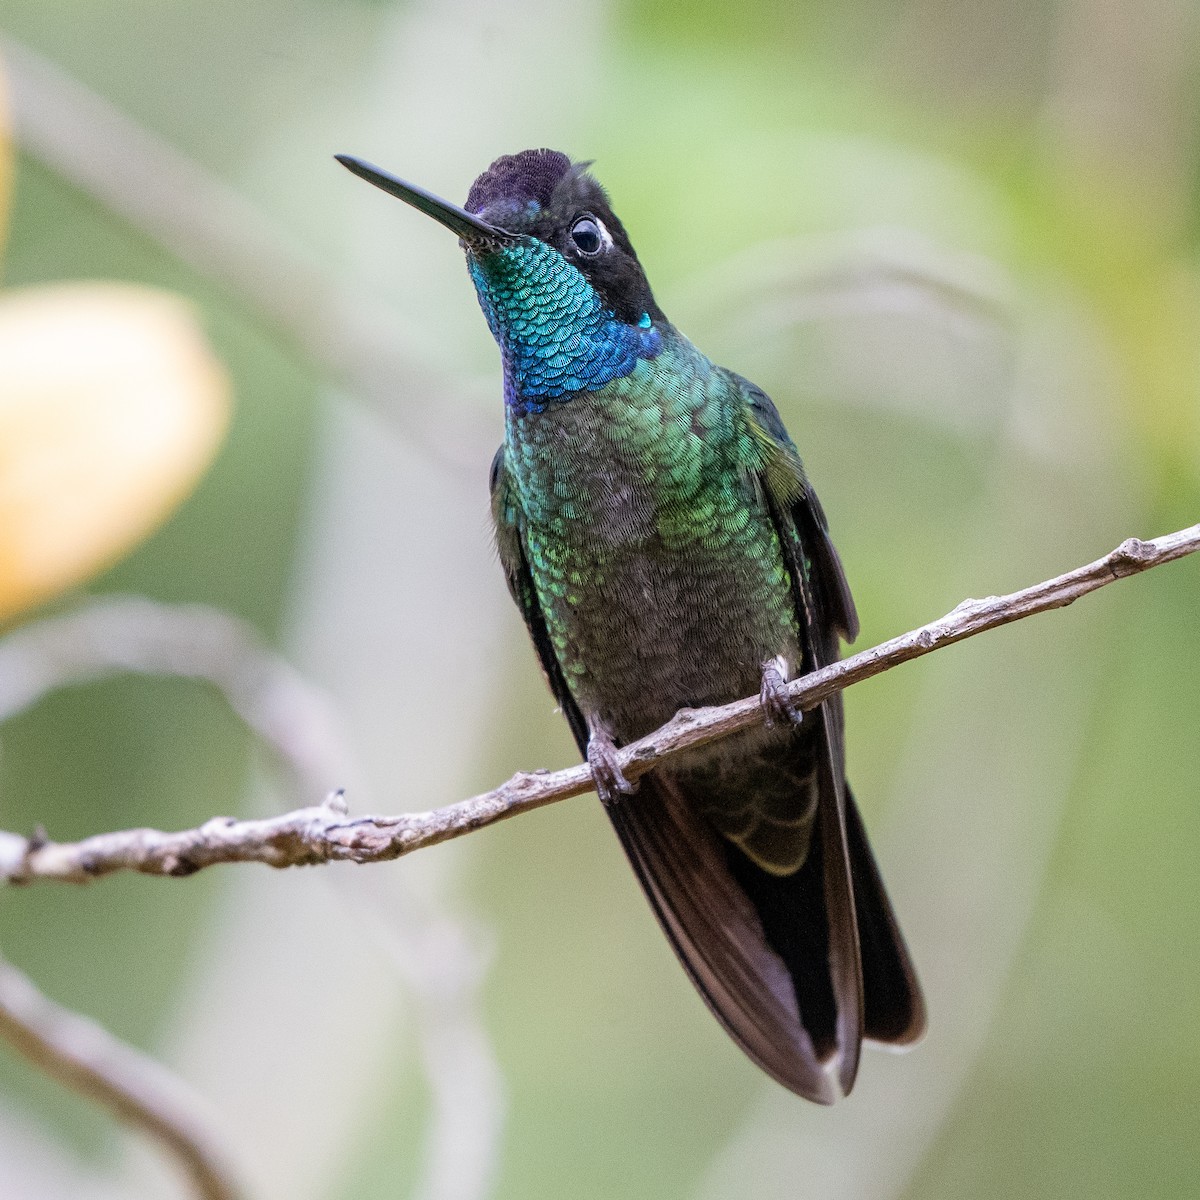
(958, 245)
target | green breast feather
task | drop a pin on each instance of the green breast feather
(639, 523)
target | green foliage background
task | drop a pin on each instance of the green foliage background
(958, 245)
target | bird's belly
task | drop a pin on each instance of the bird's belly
(642, 631)
(650, 630)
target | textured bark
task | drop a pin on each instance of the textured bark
(327, 833)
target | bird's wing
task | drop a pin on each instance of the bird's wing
(824, 608)
(879, 996)
(506, 520)
(807, 532)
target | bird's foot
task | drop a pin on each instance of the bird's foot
(773, 695)
(606, 769)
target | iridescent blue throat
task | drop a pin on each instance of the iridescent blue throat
(555, 335)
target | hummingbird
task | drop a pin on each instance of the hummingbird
(660, 536)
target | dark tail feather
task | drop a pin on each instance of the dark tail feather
(894, 1009)
(711, 922)
(760, 947)
(795, 923)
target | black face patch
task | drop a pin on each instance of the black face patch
(543, 194)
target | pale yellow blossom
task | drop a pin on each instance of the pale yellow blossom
(111, 407)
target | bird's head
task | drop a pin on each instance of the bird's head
(557, 277)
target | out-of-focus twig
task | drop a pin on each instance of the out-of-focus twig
(206, 224)
(325, 833)
(436, 960)
(366, 343)
(135, 635)
(857, 272)
(90, 1061)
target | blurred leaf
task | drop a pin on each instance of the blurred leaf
(111, 407)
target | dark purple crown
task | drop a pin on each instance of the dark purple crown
(519, 178)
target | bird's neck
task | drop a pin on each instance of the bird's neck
(676, 406)
(556, 337)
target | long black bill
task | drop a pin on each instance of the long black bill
(470, 228)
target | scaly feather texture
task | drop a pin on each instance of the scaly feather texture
(556, 337)
(665, 548)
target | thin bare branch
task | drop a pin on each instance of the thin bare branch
(90, 1061)
(439, 964)
(326, 833)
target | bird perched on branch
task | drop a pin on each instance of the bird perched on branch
(666, 550)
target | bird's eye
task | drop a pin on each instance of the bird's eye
(588, 235)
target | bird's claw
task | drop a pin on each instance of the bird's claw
(773, 695)
(606, 769)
